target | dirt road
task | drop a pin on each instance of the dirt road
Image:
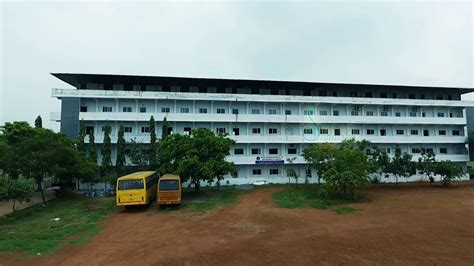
(410, 225)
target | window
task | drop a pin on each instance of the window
(170, 130)
(142, 109)
(256, 130)
(272, 131)
(383, 95)
(292, 151)
(272, 111)
(145, 129)
(128, 129)
(238, 151)
(426, 132)
(323, 112)
(220, 110)
(368, 151)
(83, 109)
(370, 131)
(308, 131)
(456, 133)
(106, 109)
(335, 113)
(308, 172)
(308, 112)
(440, 114)
(220, 130)
(353, 94)
(415, 150)
(354, 113)
(411, 96)
(127, 109)
(324, 131)
(443, 150)
(89, 130)
(430, 150)
(398, 114)
(400, 132)
(165, 109)
(383, 132)
(398, 150)
(273, 171)
(273, 151)
(257, 171)
(255, 111)
(369, 113)
(442, 132)
(368, 94)
(203, 110)
(235, 111)
(412, 114)
(355, 131)
(388, 150)
(423, 114)
(414, 132)
(384, 113)
(184, 110)
(287, 112)
(236, 131)
(187, 130)
(337, 132)
(256, 151)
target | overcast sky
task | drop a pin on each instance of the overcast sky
(382, 42)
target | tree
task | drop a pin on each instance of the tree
(81, 137)
(107, 152)
(291, 173)
(138, 156)
(39, 122)
(20, 189)
(120, 162)
(380, 162)
(427, 165)
(164, 129)
(401, 165)
(448, 170)
(92, 149)
(197, 157)
(152, 151)
(317, 155)
(344, 167)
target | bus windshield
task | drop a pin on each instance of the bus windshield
(130, 184)
(169, 185)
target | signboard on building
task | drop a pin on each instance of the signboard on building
(269, 160)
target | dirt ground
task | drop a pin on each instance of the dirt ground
(413, 224)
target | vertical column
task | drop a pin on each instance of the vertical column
(96, 105)
(117, 105)
(136, 105)
(156, 106)
(194, 106)
(212, 107)
(175, 106)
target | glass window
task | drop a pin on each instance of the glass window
(308, 131)
(238, 151)
(273, 151)
(235, 111)
(127, 109)
(203, 110)
(384, 113)
(106, 109)
(337, 131)
(287, 112)
(440, 114)
(414, 132)
(398, 114)
(324, 131)
(456, 133)
(83, 109)
(308, 112)
(127, 129)
(400, 131)
(369, 113)
(442, 132)
(220, 110)
(335, 113)
(256, 130)
(169, 185)
(184, 110)
(256, 151)
(354, 113)
(272, 131)
(130, 184)
(292, 151)
(273, 171)
(220, 130)
(272, 111)
(165, 109)
(142, 109)
(355, 131)
(257, 171)
(323, 112)
(255, 111)
(145, 129)
(443, 150)
(370, 132)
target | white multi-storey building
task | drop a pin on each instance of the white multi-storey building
(271, 121)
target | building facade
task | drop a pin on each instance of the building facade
(271, 121)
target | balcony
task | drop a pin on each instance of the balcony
(295, 119)
(59, 93)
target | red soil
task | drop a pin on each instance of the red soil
(414, 224)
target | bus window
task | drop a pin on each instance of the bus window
(130, 184)
(169, 185)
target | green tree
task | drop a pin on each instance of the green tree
(197, 157)
(164, 129)
(81, 136)
(92, 149)
(291, 172)
(380, 162)
(107, 152)
(427, 165)
(20, 189)
(343, 167)
(38, 122)
(138, 156)
(401, 165)
(448, 170)
(153, 145)
(12, 135)
(120, 162)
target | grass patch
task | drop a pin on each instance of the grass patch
(32, 231)
(209, 198)
(305, 195)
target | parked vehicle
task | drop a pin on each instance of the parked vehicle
(169, 190)
(136, 189)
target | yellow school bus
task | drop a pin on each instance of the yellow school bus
(136, 189)
(169, 190)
